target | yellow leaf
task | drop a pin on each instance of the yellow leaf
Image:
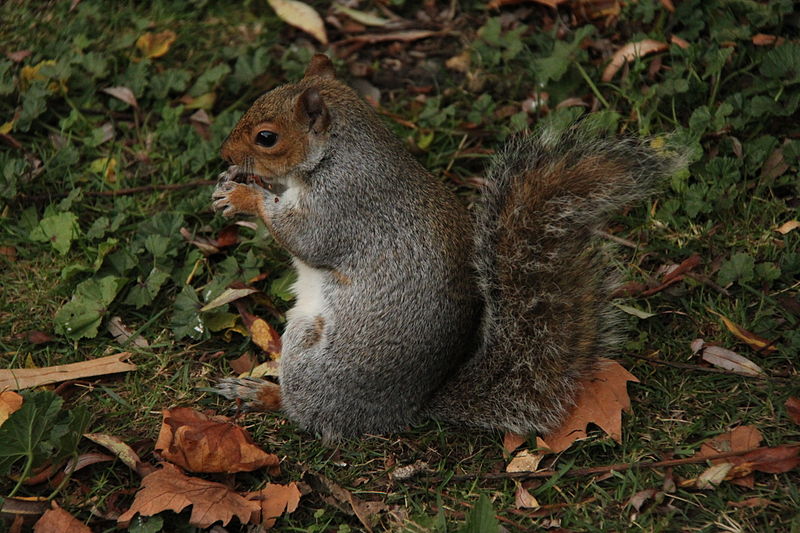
(154, 45)
(302, 16)
(29, 74)
(107, 166)
(7, 127)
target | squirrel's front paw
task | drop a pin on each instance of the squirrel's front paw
(231, 198)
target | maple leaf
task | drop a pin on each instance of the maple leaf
(169, 489)
(57, 520)
(201, 444)
(601, 402)
(274, 501)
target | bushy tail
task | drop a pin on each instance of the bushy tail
(543, 275)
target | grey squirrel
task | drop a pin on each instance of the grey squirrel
(407, 308)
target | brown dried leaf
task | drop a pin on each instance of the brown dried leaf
(525, 461)
(629, 52)
(601, 402)
(19, 55)
(512, 441)
(228, 236)
(198, 443)
(122, 93)
(302, 16)
(668, 5)
(274, 501)
(57, 520)
(786, 227)
(793, 408)
(9, 252)
(752, 502)
(169, 489)
(123, 333)
(125, 453)
(343, 499)
(262, 334)
(245, 363)
(729, 360)
(775, 460)
(739, 439)
(39, 337)
(154, 45)
(524, 499)
(24, 378)
(774, 166)
(764, 39)
(638, 499)
(10, 402)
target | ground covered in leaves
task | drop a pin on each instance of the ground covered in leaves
(112, 262)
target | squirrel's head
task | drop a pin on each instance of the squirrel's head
(286, 129)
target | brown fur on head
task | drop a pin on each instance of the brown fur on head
(284, 128)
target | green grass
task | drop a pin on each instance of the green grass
(732, 105)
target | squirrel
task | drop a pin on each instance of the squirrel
(407, 306)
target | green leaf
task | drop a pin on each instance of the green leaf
(186, 321)
(481, 518)
(209, 79)
(34, 103)
(81, 316)
(282, 287)
(25, 432)
(59, 230)
(768, 271)
(738, 268)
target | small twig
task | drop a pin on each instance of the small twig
(688, 366)
(619, 467)
(614, 238)
(123, 192)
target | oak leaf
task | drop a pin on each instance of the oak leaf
(198, 443)
(169, 489)
(601, 402)
(274, 500)
(57, 520)
(10, 402)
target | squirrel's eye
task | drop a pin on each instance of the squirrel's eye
(266, 138)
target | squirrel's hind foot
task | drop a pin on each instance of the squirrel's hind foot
(255, 394)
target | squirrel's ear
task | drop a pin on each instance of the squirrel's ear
(312, 109)
(320, 65)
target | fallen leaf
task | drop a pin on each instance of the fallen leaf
(402, 473)
(774, 166)
(25, 378)
(57, 520)
(738, 439)
(774, 460)
(121, 450)
(729, 360)
(525, 461)
(793, 408)
(262, 333)
(228, 236)
(764, 39)
(668, 5)
(39, 337)
(512, 441)
(754, 341)
(169, 489)
(207, 246)
(366, 19)
(460, 62)
(198, 443)
(228, 296)
(268, 368)
(403, 36)
(343, 499)
(274, 501)
(638, 499)
(302, 16)
(123, 333)
(629, 52)
(124, 94)
(18, 56)
(204, 101)
(752, 502)
(524, 499)
(8, 252)
(713, 476)
(601, 402)
(86, 459)
(786, 227)
(10, 402)
(245, 363)
(154, 45)
(634, 311)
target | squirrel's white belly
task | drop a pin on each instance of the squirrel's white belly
(308, 290)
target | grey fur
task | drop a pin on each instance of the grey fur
(423, 327)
